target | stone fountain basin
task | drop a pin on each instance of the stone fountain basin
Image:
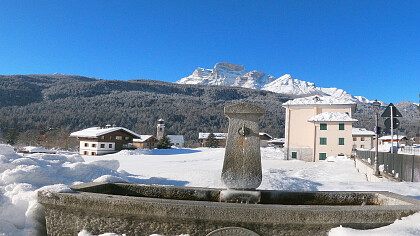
(138, 209)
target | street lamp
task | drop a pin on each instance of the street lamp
(376, 106)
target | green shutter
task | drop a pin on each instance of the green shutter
(322, 156)
(341, 126)
(322, 141)
(323, 126)
(294, 155)
(340, 141)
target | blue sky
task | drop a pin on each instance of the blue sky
(368, 48)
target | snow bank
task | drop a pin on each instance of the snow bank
(134, 152)
(406, 226)
(22, 176)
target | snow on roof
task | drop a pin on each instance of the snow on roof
(277, 140)
(388, 137)
(262, 134)
(332, 117)
(361, 131)
(311, 100)
(216, 135)
(176, 138)
(142, 138)
(94, 132)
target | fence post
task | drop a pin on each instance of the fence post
(412, 170)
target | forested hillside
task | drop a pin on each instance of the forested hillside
(43, 109)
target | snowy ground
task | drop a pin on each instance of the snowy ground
(21, 176)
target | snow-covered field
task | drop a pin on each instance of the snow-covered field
(21, 176)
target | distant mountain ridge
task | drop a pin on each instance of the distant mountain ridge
(228, 74)
(36, 105)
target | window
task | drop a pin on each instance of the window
(110, 145)
(93, 153)
(93, 144)
(354, 138)
(362, 139)
(323, 126)
(118, 137)
(85, 153)
(341, 126)
(362, 146)
(86, 144)
(102, 145)
(126, 138)
(294, 155)
(102, 137)
(340, 141)
(322, 156)
(322, 141)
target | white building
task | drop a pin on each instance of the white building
(398, 140)
(176, 140)
(363, 138)
(104, 140)
(318, 127)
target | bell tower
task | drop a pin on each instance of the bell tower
(160, 129)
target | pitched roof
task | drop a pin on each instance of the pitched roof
(262, 134)
(332, 117)
(388, 137)
(94, 132)
(362, 131)
(311, 100)
(142, 138)
(176, 138)
(216, 135)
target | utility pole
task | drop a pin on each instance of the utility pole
(392, 130)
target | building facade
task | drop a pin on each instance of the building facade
(318, 127)
(363, 138)
(104, 140)
(145, 142)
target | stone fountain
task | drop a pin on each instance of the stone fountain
(138, 209)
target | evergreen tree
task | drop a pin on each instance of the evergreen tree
(212, 141)
(11, 136)
(164, 142)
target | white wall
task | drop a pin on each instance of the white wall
(97, 149)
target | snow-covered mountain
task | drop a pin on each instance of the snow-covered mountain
(228, 74)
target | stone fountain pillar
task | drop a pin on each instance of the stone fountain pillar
(242, 164)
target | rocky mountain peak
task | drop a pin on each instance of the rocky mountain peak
(228, 66)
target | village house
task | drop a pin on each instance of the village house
(318, 127)
(276, 142)
(221, 139)
(104, 140)
(176, 140)
(264, 138)
(146, 142)
(363, 138)
(385, 141)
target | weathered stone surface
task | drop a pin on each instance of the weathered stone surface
(232, 231)
(69, 213)
(242, 163)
